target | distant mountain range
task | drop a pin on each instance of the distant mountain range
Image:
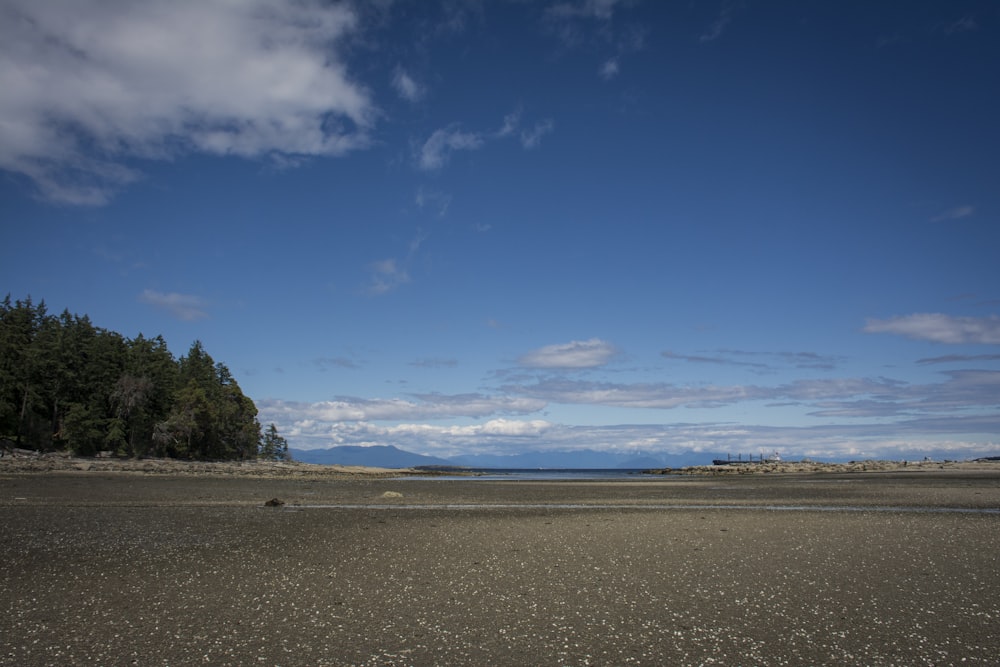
(378, 456)
(387, 456)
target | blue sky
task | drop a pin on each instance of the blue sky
(495, 227)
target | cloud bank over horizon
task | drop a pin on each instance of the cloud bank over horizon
(879, 410)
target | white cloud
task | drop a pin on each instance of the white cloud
(434, 153)
(880, 418)
(954, 213)
(429, 406)
(495, 436)
(495, 428)
(508, 427)
(89, 84)
(575, 354)
(185, 307)
(406, 87)
(940, 328)
(891, 441)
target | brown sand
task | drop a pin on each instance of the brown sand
(129, 568)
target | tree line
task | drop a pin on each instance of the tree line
(66, 384)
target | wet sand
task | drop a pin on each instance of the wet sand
(863, 568)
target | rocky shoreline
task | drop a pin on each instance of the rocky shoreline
(22, 461)
(780, 467)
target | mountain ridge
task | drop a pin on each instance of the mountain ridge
(389, 456)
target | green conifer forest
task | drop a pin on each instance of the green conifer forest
(66, 384)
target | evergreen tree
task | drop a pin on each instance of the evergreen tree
(66, 383)
(211, 418)
(274, 447)
(152, 376)
(23, 409)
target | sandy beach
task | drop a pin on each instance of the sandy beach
(122, 568)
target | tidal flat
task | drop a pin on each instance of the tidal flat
(822, 569)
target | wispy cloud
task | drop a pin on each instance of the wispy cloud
(609, 69)
(628, 42)
(326, 363)
(959, 358)
(954, 213)
(456, 16)
(391, 273)
(940, 328)
(510, 123)
(701, 359)
(589, 23)
(124, 259)
(810, 360)
(88, 86)
(406, 87)
(602, 10)
(576, 354)
(961, 391)
(434, 363)
(186, 307)
(718, 26)
(529, 137)
(964, 24)
(435, 152)
(387, 275)
(433, 200)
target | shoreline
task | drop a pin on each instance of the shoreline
(29, 462)
(34, 463)
(869, 466)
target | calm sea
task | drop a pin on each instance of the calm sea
(548, 474)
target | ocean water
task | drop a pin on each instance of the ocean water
(548, 474)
